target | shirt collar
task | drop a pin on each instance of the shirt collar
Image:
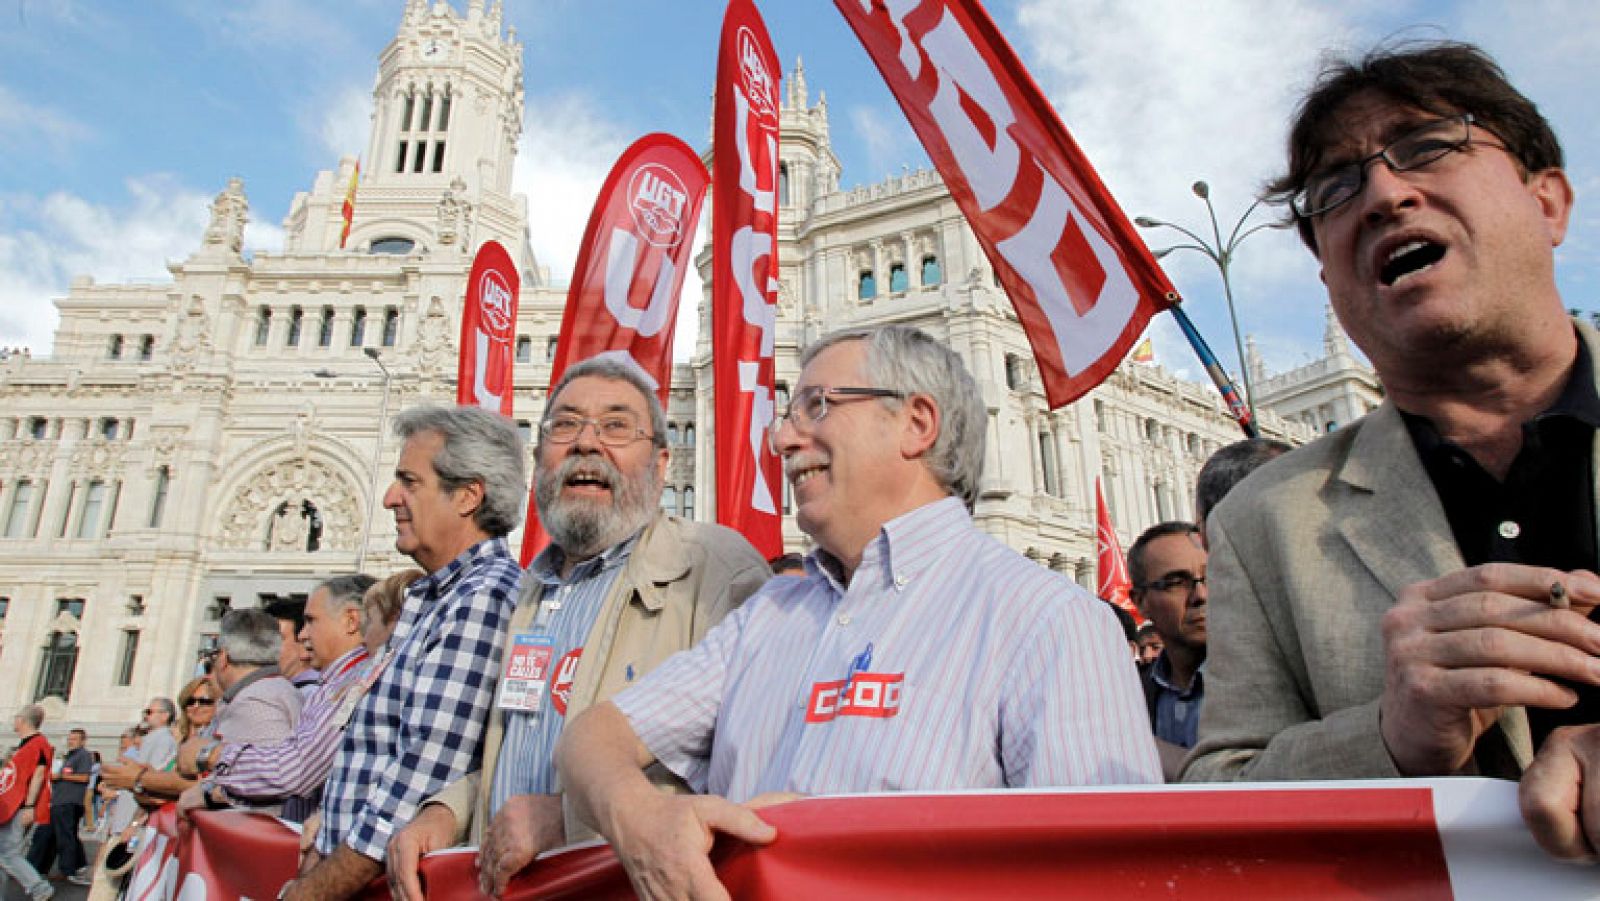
(443, 580)
(250, 678)
(1578, 400)
(1161, 674)
(547, 566)
(903, 548)
(348, 657)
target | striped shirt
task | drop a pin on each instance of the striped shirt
(526, 765)
(295, 768)
(948, 662)
(421, 725)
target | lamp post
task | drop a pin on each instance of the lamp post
(1221, 253)
(377, 450)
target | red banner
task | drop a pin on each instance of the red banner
(1082, 282)
(1401, 839)
(1110, 566)
(635, 253)
(744, 277)
(488, 328)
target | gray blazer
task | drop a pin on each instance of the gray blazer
(1306, 556)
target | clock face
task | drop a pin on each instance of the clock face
(432, 50)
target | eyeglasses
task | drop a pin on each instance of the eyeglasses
(1415, 149)
(151, 711)
(199, 702)
(1183, 581)
(612, 429)
(811, 403)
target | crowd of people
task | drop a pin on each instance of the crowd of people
(1408, 596)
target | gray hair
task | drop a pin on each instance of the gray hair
(619, 369)
(32, 714)
(908, 359)
(348, 590)
(250, 637)
(171, 709)
(479, 446)
(1228, 467)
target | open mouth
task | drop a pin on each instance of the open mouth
(802, 474)
(1409, 259)
(584, 478)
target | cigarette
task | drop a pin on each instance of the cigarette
(1558, 596)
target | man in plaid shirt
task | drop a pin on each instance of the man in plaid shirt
(459, 488)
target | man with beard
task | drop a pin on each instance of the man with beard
(621, 587)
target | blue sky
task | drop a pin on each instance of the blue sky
(119, 121)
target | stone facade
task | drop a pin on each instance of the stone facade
(221, 440)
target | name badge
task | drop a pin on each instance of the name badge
(527, 672)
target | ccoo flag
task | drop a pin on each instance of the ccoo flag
(744, 276)
(1111, 567)
(635, 252)
(1082, 282)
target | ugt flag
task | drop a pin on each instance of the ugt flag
(488, 327)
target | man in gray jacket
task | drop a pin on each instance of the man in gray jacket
(621, 587)
(1408, 595)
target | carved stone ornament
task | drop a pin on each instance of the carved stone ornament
(228, 215)
(433, 339)
(270, 510)
(193, 335)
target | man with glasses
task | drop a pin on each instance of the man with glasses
(917, 653)
(622, 586)
(1167, 566)
(1407, 596)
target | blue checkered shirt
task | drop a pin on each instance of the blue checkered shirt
(421, 726)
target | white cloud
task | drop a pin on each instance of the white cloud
(47, 241)
(346, 121)
(23, 124)
(889, 143)
(566, 150)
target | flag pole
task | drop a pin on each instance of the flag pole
(1219, 376)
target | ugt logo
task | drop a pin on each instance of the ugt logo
(657, 199)
(758, 82)
(494, 299)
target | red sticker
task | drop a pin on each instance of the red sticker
(561, 685)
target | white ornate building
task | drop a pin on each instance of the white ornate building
(219, 440)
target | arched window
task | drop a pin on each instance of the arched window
(669, 500)
(297, 318)
(158, 501)
(932, 274)
(263, 325)
(783, 184)
(524, 349)
(897, 278)
(147, 348)
(57, 666)
(325, 329)
(688, 502)
(115, 350)
(358, 327)
(866, 285)
(391, 326)
(672, 434)
(1047, 462)
(688, 436)
(396, 246)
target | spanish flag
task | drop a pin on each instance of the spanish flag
(1144, 351)
(349, 210)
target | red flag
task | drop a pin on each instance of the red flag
(349, 209)
(1082, 282)
(488, 324)
(1112, 568)
(625, 287)
(744, 279)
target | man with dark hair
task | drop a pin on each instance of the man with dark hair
(620, 588)
(1391, 600)
(58, 842)
(291, 616)
(292, 770)
(1227, 468)
(1012, 674)
(459, 488)
(1167, 566)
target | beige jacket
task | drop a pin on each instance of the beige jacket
(681, 579)
(1306, 556)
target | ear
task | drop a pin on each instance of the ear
(467, 499)
(1553, 192)
(663, 457)
(352, 619)
(921, 426)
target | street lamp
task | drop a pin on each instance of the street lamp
(377, 450)
(1221, 253)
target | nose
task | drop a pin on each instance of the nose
(783, 437)
(1200, 595)
(391, 497)
(588, 437)
(1384, 192)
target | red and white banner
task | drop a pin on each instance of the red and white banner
(744, 277)
(1111, 567)
(488, 328)
(1082, 282)
(635, 253)
(1400, 839)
